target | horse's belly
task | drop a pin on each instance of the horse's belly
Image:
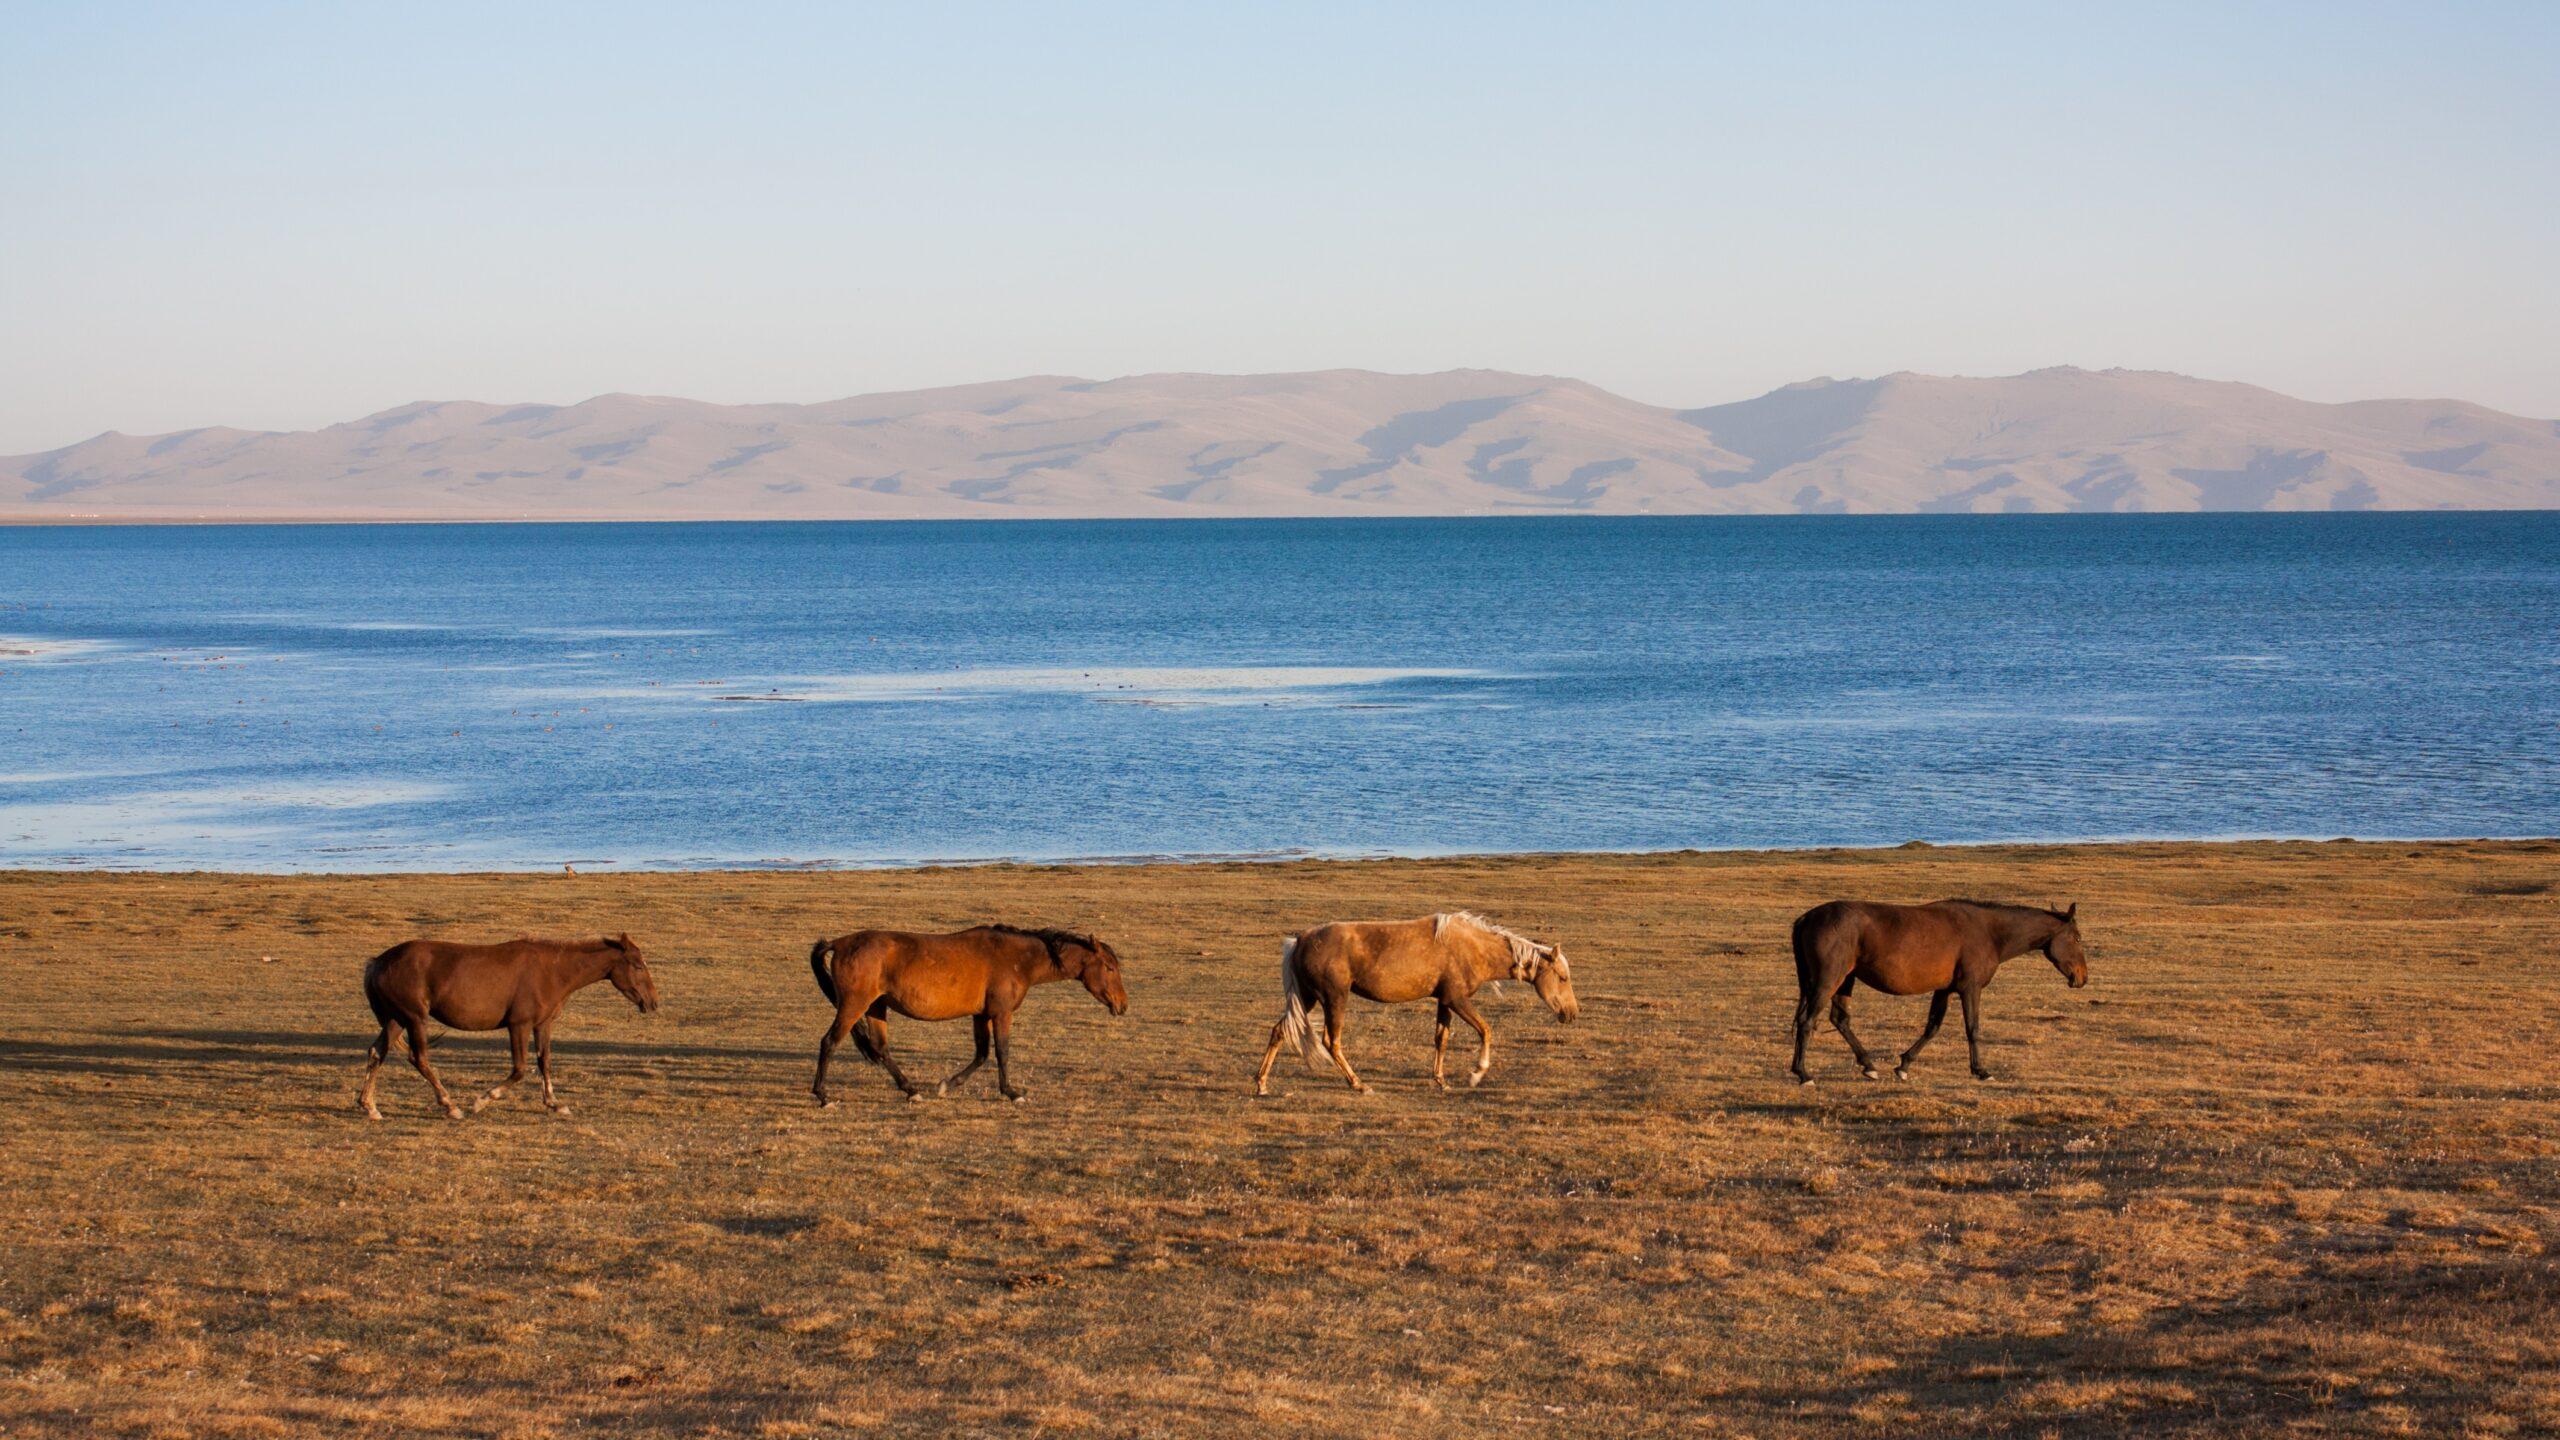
(469, 1014)
(944, 1001)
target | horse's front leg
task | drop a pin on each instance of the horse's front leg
(1971, 995)
(515, 1071)
(1000, 1025)
(542, 1061)
(1464, 1007)
(1937, 1017)
(982, 1031)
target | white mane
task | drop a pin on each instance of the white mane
(1528, 957)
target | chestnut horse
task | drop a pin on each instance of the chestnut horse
(1949, 948)
(981, 972)
(1446, 957)
(518, 986)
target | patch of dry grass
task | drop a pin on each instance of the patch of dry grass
(2288, 1165)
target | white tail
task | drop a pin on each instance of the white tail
(1296, 1001)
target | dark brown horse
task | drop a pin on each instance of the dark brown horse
(981, 972)
(1947, 949)
(518, 986)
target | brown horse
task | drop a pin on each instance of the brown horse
(1948, 948)
(1446, 957)
(981, 972)
(518, 986)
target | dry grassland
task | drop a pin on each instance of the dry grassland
(2291, 1164)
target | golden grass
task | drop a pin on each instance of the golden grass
(2287, 1166)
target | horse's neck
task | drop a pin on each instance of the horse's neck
(1489, 958)
(2022, 931)
(578, 966)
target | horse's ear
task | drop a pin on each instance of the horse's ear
(623, 941)
(2072, 914)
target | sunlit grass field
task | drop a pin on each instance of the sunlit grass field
(2290, 1164)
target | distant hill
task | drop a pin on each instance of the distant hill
(1337, 442)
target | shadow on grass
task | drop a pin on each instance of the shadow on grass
(2316, 1351)
(310, 1048)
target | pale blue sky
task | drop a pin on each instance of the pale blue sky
(276, 215)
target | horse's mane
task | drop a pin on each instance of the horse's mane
(1527, 955)
(1054, 939)
(2007, 908)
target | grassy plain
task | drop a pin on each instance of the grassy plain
(2291, 1164)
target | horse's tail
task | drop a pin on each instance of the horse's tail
(820, 955)
(1297, 1000)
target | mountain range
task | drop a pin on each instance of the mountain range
(1336, 442)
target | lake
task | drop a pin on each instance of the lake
(525, 696)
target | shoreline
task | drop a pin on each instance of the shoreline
(63, 522)
(2129, 846)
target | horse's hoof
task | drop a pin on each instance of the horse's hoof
(1805, 1081)
(1902, 1072)
(1476, 1078)
(1870, 1073)
(941, 1089)
(825, 1104)
(916, 1096)
(453, 1112)
(372, 1114)
(1017, 1096)
(1981, 1074)
(560, 1110)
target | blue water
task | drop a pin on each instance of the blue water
(433, 697)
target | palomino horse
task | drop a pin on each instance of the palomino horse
(1948, 948)
(981, 973)
(1392, 961)
(518, 986)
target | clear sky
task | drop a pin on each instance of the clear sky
(281, 216)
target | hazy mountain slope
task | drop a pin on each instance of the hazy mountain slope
(1335, 442)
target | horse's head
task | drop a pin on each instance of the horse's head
(630, 974)
(1554, 980)
(2064, 948)
(1097, 965)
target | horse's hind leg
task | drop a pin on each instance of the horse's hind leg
(1840, 1022)
(373, 1066)
(982, 1031)
(515, 1071)
(418, 1057)
(1270, 1053)
(1440, 1047)
(849, 1008)
(1333, 1037)
(1937, 1017)
(889, 1062)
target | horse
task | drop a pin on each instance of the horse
(518, 986)
(1948, 948)
(1445, 956)
(982, 972)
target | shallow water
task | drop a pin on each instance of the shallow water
(435, 697)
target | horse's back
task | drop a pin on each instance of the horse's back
(469, 987)
(1384, 960)
(1901, 949)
